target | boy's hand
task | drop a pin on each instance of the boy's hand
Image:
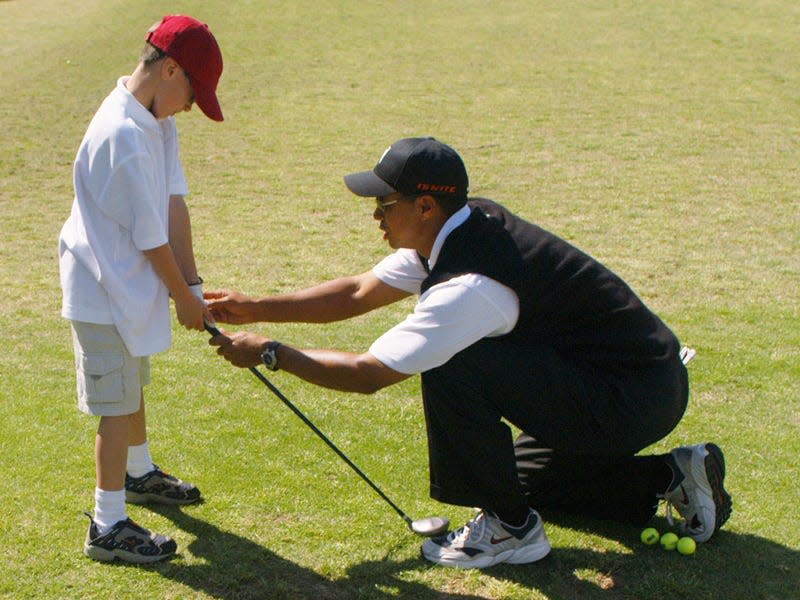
(231, 307)
(191, 311)
(189, 308)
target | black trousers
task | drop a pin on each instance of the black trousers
(581, 429)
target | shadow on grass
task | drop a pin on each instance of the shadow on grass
(234, 567)
(729, 566)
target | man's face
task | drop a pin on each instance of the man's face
(398, 220)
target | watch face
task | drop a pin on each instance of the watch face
(269, 358)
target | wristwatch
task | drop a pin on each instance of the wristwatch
(269, 356)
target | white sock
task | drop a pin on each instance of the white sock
(109, 508)
(139, 461)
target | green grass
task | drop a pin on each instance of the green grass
(660, 137)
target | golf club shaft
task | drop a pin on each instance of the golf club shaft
(214, 331)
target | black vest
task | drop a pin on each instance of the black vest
(568, 300)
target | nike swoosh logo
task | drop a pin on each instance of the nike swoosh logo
(495, 540)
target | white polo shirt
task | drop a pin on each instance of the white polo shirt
(126, 168)
(449, 317)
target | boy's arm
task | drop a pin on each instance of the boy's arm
(180, 238)
(190, 309)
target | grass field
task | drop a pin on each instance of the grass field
(661, 137)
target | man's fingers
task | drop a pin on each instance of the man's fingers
(215, 294)
(219, 340)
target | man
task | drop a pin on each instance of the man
(515, 324)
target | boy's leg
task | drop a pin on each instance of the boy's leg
(111, 452)
(137, 425)
(139, 460)
(109, 386)
(109, 383)
(146, 482)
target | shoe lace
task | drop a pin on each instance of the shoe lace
(463, 534)
(149, 537)
(685, 526)
(669, 504)
(668, 515)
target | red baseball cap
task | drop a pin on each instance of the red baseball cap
(191, 44)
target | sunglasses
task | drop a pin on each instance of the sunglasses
(381, 204)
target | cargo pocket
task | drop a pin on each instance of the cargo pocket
(100, 378)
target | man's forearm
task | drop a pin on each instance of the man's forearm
(335, 300)
(338, 370)
(346, 371)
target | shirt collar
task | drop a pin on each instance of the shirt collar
(456, 219)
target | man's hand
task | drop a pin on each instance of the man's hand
(231, 307)
(242, 349)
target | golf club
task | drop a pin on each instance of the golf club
(429, 527)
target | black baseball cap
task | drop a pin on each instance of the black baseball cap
(420, 165)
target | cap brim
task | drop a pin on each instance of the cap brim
(367, 184)
(208, 103)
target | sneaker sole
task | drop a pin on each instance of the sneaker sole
(103, 555)
(707, 465)
(715, 473)
(138, 498)
(530, 553)
(517, 556)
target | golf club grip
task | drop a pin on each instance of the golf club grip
(214, 331)
(211, 328)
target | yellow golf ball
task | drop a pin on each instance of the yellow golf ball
(650, 536)
(669, 541)
(686, 545)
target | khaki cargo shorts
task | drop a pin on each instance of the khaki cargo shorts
(110, 380)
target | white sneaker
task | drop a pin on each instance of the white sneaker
(486, 540)
(697, 490)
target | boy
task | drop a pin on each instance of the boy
(124, 250)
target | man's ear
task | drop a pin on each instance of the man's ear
(427, 205)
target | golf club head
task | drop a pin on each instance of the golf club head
(430, 526)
